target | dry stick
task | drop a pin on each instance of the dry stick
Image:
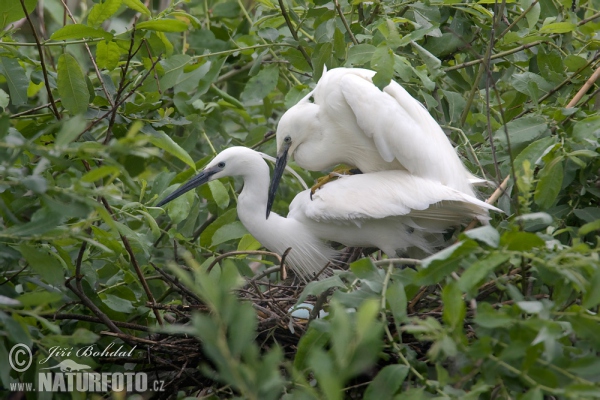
(492, 199)
(42, 62)
(235, 253)
(586, 86)
(560, 85)
(339, 10)
(104, 89)
(88, 318)
(147, 341)
(176, 283)
(293, 31)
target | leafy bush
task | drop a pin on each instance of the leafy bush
(104, 112)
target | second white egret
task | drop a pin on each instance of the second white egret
(346, 119)
(391, 210)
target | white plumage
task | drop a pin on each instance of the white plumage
(391, 210)
(347, 119)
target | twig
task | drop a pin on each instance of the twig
(122, 86)
(13, 276)
(88, 318)
(339, 10)
(520, 17)
(236, 253)
(293, 31)
(495, 56)
(42, 62)
(123, 100)
(500, 190)
(408, 261)
(87, 47)
(176, 283)
(586, 86)
(560, 85)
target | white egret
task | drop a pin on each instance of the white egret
(346, 119)
(391, 210)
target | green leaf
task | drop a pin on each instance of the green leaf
(138, 6)
(548, 187)
(558, 27)
(72, 87)
(397, 301)
(12, 10)
(486, 234)
(79, 31)
(34, 299)
(312, 339)
(387, 382)
(360, 54)
(234, 230)
(43, 263)
(438, 266)
(42, 221)
(99, 173)
(454, 305)
(260, 85)
(480, 269)
(588, 128)
(163, 25)
(163, 141)
(248, 243)
(432, 62)
(219, 194)
(179, 209)
(226, 218)
(383, 62)
(521, 241)
(589, 227)
(16, 79)
(108, 55)
(102, 11)
(117, 304)
(70, 130)
(523, 130)
(4, 99)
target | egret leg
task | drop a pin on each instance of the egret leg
(333, 175)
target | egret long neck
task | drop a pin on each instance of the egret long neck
(309, 253)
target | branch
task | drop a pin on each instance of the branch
(293, 31)
(42, 62)
(104, 89)
(586, 86)
(339, 10)
(495, 56)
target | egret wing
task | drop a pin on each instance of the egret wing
(387, 194)
(403, 129)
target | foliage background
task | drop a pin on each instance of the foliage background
(107, 104)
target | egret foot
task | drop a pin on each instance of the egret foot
(333, 175)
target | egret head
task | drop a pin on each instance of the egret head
(295, 127)
(229, 162)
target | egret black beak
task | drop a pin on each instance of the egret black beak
(198, 180)
(280, 164)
